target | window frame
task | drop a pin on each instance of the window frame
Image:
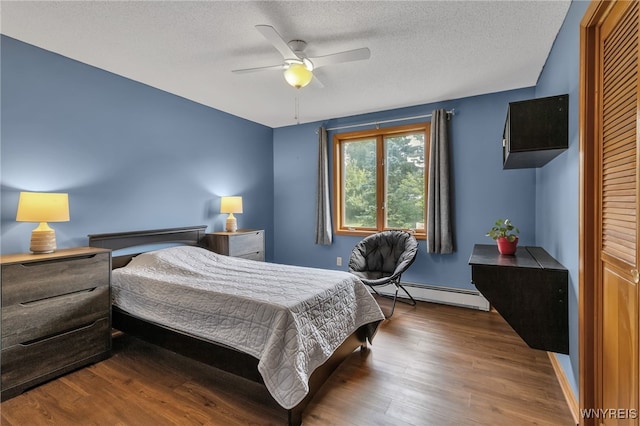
(379, 135)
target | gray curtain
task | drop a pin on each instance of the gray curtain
(439, 229)
(323, 205)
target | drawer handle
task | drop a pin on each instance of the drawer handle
(55, 335)
(46, 299)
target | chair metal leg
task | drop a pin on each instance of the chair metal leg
(376, 292)
(413, 301)
(398, 286)
(393, 307)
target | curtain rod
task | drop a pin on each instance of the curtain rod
(377, 123)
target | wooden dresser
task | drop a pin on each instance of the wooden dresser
(245, 243)
(56, 315)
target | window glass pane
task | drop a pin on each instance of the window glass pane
(359, 183)
(404, 181)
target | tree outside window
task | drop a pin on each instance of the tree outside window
(380, 180)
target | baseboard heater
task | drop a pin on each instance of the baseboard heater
(445, 295)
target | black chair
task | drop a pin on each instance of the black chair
(380, 259)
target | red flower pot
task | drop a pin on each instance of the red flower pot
(507, 247)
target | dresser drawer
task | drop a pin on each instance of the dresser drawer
(33, 363)
(257, 255)
(25, 322)
(246, 243)
(34, 281)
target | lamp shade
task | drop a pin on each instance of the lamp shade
(298, 75)
(231, 204)
(43, 207)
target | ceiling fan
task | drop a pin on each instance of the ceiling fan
(298, 68)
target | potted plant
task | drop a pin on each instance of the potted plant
(505, 235)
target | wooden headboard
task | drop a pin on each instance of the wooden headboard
(189, 235)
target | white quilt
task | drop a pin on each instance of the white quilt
(290, 318)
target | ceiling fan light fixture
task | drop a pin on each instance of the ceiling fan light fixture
(298, 75)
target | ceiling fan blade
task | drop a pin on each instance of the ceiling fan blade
(338, 58)
(315, 82)
(269, 68)
(278, 42)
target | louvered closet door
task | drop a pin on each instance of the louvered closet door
(619, 214)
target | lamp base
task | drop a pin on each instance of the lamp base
(43, 239)
(232, 224)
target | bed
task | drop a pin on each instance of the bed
(283, 326)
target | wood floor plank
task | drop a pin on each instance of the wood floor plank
(429, 365)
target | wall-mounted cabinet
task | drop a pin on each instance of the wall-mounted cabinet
(535, 132)
(530, 291)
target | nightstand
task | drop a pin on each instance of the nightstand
(245, 243)
(56, 315)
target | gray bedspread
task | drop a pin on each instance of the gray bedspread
(290, 318)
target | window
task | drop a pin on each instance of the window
(380, 179)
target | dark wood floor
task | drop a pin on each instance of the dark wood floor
(431, 365)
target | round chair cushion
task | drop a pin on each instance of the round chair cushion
(381, 257)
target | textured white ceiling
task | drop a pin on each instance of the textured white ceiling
(421, 51)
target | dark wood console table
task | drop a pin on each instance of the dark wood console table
(529, 290)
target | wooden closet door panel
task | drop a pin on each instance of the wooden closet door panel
(620, 346)
(618, 211)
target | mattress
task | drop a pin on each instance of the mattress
(290, 318)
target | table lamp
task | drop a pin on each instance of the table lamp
(43, 207)
(231, 205)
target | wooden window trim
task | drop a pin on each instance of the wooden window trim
(379, 135)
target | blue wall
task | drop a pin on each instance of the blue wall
(543, 202)
(133, 157)
(130, 156)
(557, 184)
(483, 191)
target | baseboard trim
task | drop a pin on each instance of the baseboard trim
(572, 402)
(444, 295)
